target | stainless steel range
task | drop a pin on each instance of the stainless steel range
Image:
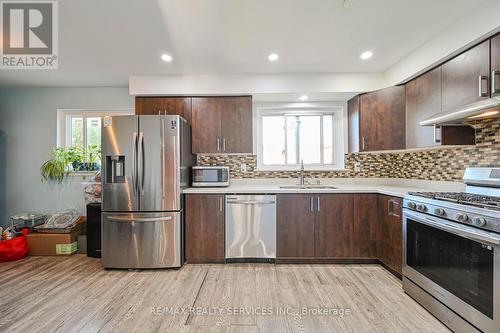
(451, 252)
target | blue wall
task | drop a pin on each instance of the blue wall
(28, 118)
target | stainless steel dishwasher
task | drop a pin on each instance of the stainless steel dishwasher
(250, 228)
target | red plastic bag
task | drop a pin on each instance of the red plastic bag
(14, 249)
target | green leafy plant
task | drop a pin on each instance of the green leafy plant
(76, 156)
(57, 168)
(68, 160)
(93, 157)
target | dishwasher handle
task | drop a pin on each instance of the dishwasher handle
(250, 202)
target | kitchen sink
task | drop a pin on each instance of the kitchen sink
(308, 187)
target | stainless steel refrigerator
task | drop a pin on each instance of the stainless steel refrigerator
(146, 162)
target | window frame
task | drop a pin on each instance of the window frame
(64, 117)
(339, 114)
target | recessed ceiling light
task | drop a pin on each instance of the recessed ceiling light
(303, 98)
(366, 55)
(273, 57)
(166, 57)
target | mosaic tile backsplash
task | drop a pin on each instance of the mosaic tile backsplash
(440, 163)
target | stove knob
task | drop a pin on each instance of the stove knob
(412, 205)
(462, 217)
(439, 212)
(421, 208)
(479, 221)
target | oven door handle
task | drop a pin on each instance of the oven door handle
(464, 231)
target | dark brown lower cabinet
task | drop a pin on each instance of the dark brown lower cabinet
(310, 228)
(365, 226)
(204, 221)
(390, 240)
(295, 226)
(333, 225)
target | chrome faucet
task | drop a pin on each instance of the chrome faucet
(301, 176)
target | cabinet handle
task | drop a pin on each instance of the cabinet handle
(390, 208)
(218, 144)
(436, 139)
(494, 75)
(220, 204)
(482, 93)
(311, 204)
(363, 143)
(223, 144)
(159, 112)
(318, 207)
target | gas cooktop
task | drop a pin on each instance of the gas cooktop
(482, 201)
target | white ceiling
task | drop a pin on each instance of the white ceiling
(102, 42)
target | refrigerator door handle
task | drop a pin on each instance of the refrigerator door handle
(141, 172)
(141, 219)
(134, 159)
(162, 154)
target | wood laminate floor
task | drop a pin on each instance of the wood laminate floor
(74, 294)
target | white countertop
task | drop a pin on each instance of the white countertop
(387, 186)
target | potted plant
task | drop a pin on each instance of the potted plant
(58, 167)
(93, 157)
(76, 155)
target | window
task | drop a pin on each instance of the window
(82, 128)
(289, 135)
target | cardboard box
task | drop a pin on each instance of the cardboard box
(42, 244)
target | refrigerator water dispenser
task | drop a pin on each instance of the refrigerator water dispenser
(115, 169)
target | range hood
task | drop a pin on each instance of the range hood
(489, 108)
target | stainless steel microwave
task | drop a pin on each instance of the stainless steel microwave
(210, 176)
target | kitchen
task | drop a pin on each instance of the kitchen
(247, 187)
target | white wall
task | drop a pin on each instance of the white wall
(254, 84)
(28, 118)
(481, 22)
(465, 32)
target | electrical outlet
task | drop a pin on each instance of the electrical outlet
(357, 167)
(243, 167)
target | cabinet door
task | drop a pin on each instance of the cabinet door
(204, 217)
(423, 100)
(164, 105)
(396, 232)
(382, 119)
(465, 78)
(295, 227)
(206, 125)
(390, 240)
(333, 225)
(353, 119)
(495, 66)
(236, 126)
(365, 226)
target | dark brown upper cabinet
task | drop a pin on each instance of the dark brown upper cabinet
(466, 78)
(164, 105)
(222, 124)
(423, 100)
(353, 120)
(495, 66)
(377, 120)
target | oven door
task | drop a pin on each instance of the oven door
(457, 264)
